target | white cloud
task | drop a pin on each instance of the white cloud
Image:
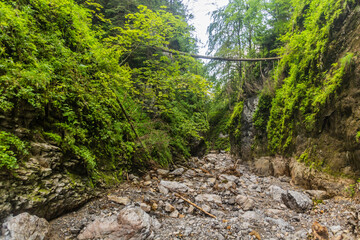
(201, 9)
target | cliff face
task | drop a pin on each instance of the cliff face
(314, 115)
(49, 183)
(332, 145)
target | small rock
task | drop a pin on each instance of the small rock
(335, 229)
(190, 209)
(25, 226)
(284, 226)
(147, 183)
(318, 194)
(174, 214)
(211, 181)
(163, 189)
(177, 172)
(154, 206)
(190, 173)
(162, 172)
(296, 201)
(319, 232)
(208, 198)
(145, 207)
(251, 215)
(255, 234)
(169, 207)
(230, 178)
(174, 186)
(121, 200)
(206, 208)
(232, 200)
(217, 213)
(245, 202)
(276, 192)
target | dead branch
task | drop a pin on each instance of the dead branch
(191, 203)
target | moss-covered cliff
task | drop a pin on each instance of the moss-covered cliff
(311, 112)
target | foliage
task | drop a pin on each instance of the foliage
(309, 85)
(262, 113)
(55, 62)
(244, 28)
(219, 114)
(235, 121)
(358, 136)
(11, 148)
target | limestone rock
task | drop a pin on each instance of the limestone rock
(296, 201)
(131, 223)
(280, 166)
(121, 200)
(174, 186)
(206, 207)
(163, 189)
(190, 173)
(178, 172)
(145, 207)
(25, 227)
(263, 166)
(276, 192)
(208, 198)
(318, 194)
(252, 215)
(169, 207)
(319, 232)
(162, 172)
(245, 202)
(174, 214)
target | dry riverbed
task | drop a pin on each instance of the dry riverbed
(210, 198)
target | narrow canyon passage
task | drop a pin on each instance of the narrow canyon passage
(246, 206)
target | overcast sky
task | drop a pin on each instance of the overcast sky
(201, 10)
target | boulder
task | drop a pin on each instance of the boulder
(280, 166)
(296, 201)
(263, 166)
(25, 227)
(131, 223)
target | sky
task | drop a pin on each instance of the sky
(201, 9)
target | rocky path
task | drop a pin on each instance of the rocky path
(246, 206)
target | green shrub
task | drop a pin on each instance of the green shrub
(11, 150)
(308, 86)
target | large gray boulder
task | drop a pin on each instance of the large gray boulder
(25, 227)
(131, 223)
(296, 201)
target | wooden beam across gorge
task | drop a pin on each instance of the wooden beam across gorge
(220, 58)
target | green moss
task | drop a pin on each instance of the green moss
(308, 86)
(262, 113)
(358, 136)
(235, 121)
(309, 157)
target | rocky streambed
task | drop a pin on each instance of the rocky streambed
(208, 198)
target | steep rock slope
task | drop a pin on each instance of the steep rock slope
(313, 115)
